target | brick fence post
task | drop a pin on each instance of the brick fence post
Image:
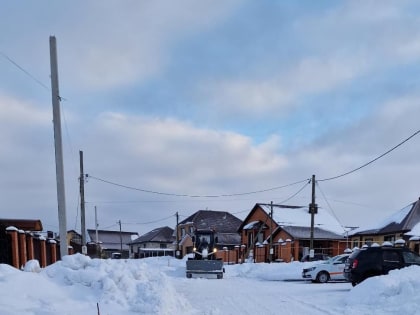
(43, 253)
(22, 248)
(30, 246)
(13, 232)
(53, 249)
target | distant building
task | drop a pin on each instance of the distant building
(112, 241)
(403, 224)
(158, 242)
(285, 235)
(225, 224)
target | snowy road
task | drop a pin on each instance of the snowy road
(247, 296)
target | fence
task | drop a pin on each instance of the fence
(18, 247)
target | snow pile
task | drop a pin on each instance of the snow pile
(159, 286)
(395, 293)
(131, 285)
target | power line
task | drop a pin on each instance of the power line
(296, 193)
(24, 71)
(193, 196)
(375, 159)
(155, 221)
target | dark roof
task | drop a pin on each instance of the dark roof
(160, 235)
(112, 239)
(303, 232)
(22, 224)
(221, 221)
(401, 221)
(228, 239)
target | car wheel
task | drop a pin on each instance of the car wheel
(323, 277)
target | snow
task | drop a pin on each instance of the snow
(78, 285)
(394, 218)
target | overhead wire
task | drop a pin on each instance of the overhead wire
(374, 160)
(24, 71)
(328, 204)
(190, 195)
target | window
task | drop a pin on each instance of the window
(389, 238)
(182, 232)
(356, 243)
(391, 256)
(368, 241)
(411, 258)
(163, 245)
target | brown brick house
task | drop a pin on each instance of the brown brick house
(286, 235)
(226, 226)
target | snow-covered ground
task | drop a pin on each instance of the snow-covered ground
(80, 285)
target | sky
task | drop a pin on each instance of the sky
(158, 285)
(183, 106)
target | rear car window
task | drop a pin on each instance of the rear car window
(411, 258)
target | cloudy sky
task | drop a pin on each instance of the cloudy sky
(186, 105)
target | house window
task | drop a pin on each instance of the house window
(163, 246)
(191, 230)
(389, 238)
(356, 243)
(368, 241)
(182, 232)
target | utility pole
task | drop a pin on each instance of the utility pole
(119, 222)
(177, 236)
(98, 252)
(59, 165)
(82, 201)
(313, 209)
(271, 232)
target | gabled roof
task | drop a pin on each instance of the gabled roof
(160, 235)
(22, 224)
(298, 216)
(403, 220)
(112, 239)
(221, 221)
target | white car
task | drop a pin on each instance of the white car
(332, 269)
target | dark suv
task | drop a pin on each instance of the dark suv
(374, 261)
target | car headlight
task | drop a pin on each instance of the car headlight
(310, 269)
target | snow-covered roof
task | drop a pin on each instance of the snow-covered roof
(415, 231)
(403, 220)
(301, 217)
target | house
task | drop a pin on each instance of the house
(403, 224)
(273, 232)
(225, 224)
(158, 242)
(112, 241)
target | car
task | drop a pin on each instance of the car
(332, 269)
(377, 260)
(317, 256)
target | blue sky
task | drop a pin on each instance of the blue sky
(209, 98)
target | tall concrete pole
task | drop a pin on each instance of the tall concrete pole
(59, 165)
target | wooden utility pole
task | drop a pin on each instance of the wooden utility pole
(59, 165)
(177, 236)
(82, 200)
(271, 232)
(313, 209)
(119, 222)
